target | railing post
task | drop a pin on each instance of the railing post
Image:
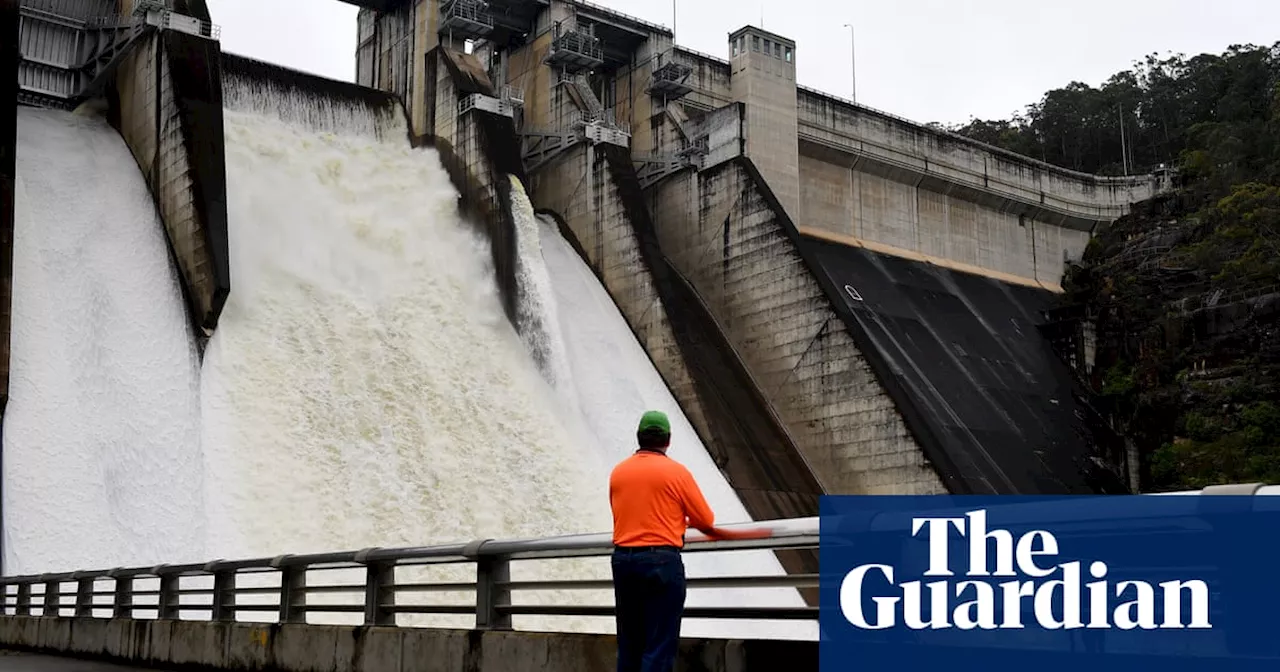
(167, 604)
(24, 600)
(493, 572)
(52, 598)
(122, 602)
(224, 592)
(293, 590)
(378, 592)
(84, 597)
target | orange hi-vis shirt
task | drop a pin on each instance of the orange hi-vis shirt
(654, 500)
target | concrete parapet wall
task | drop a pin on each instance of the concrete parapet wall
(318, 648)
(916, 153)
(847, 204)
(168, 107)
(870, 179)
(725, 233)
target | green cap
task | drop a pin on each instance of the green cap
(655, 420)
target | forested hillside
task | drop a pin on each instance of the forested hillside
(1183, 295)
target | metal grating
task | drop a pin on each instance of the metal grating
(669, 80)
(69, 48)
(485, 103)
(513, 94)
(468, 19)
(575, 48)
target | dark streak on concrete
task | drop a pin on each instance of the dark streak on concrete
(9, 57)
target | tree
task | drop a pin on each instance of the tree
(1226, 106)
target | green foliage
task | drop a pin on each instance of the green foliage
(1189, 388)
(1242, 248)
(1216, 115)
(1118, 381)
(1241, 445)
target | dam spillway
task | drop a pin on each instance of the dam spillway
(363, 386)
(104, 414)
(726, 229)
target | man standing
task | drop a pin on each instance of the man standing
(654, 500)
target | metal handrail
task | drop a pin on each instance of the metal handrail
(613, 12)
(493, 586)
(492, 607)
(703, 55)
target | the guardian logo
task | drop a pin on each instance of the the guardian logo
(971, 603)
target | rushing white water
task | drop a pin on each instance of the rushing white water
(537, 313)
(364, 387)
(595, 356)
(101, 434)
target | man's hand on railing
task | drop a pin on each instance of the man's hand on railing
(721, 534)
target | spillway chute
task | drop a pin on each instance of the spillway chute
(101, 432)
(602, 371)
(364, 386)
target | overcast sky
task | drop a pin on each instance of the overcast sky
(927, 60)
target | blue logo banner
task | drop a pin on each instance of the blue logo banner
(1093, 584)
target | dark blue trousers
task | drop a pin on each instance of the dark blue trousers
(648, 594)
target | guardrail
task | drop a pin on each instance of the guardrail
(493, 606)
(380, 590)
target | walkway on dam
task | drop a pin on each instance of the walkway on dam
(14, 661)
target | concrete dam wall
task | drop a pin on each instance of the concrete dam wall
(779, 252)
(741, 260)
(782, 256)
(917, 390)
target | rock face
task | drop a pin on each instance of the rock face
(1176, 328)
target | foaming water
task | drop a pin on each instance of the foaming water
(364, 387)
(101, 434)
(599, 359)
(294, 107)
(537, 314)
